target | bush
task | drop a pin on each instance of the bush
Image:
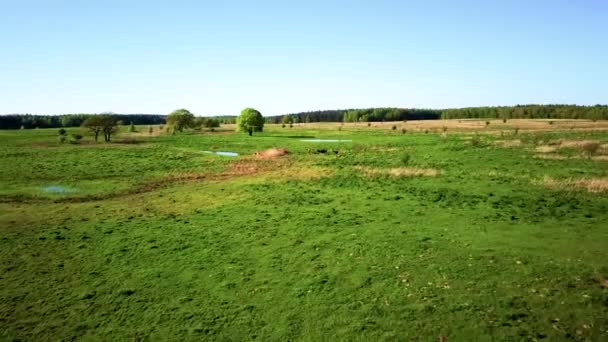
(394, 128)
(369, 124)
(405, 159)
(132, 128)
(62, 131)
(283, 125)
(476, 140)
(551, 122)
(487, 123)
(515, 131)
(504, 120)
(151, 129)
(591, 148)
(62, 139)
(403, 131)
(75, 138)
(444, 128)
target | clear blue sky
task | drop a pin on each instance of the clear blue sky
(216, 57)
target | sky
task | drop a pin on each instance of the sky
(218, 57)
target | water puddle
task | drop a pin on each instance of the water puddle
(326, 140)
(57, 189)
(223, 153)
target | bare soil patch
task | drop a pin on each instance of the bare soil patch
(593, 185)
(271, 153)
(399, 172)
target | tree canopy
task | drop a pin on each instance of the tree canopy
(250, 121)
(101, 123)
(180, 119)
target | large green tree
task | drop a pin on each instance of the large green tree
(101, 123)
(180, 119)
(250, 121)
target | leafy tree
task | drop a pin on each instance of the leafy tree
(94, 123)
(101, 123)
(286, 119)
(180, 119)
(250, 121)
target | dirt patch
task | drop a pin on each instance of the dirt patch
(399, 172)
(565, 143)
(551, 156)
(271, 153)
(508, 143)
(545, 149)
(594, 185)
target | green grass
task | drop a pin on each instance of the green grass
(483, 251)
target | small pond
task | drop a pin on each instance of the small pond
(223, 153)
(325, 140)
(57, 189)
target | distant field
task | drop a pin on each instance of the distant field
(456, 230)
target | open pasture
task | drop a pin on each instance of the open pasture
(477, 231)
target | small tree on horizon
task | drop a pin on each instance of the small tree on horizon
(180, 119)
(101, 123)
(250, 121)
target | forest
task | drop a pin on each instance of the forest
(532, 111)
(25, 121)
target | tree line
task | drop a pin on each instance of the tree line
(533, 111)
(597, 112)
(17, 121)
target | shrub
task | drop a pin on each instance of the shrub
(151, 129)
(369, 124)
(551, 122)
(394, 127)
(444, 128)
(62, 139)
(426, 131)
(487, 123)
(476, 140)
(283, 125)
(74, 138)
(504, 120)
(405, 159)
(62, 131)
(403, 130)
(591, 148)
(515, 131)
(290, 125)
(132, 128)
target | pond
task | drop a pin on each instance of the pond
(57, 189)
(326, 140)
(223, 153)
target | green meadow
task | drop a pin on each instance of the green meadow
(385, 235)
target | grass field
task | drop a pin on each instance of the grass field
(473, 232)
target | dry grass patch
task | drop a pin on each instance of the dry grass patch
(271, 153)
(399, 172)
(594, 185)
(508, 143)
(545, 149)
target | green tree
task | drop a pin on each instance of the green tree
(180, 119)
(101, 123)
(286, 119)
(250, 121)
